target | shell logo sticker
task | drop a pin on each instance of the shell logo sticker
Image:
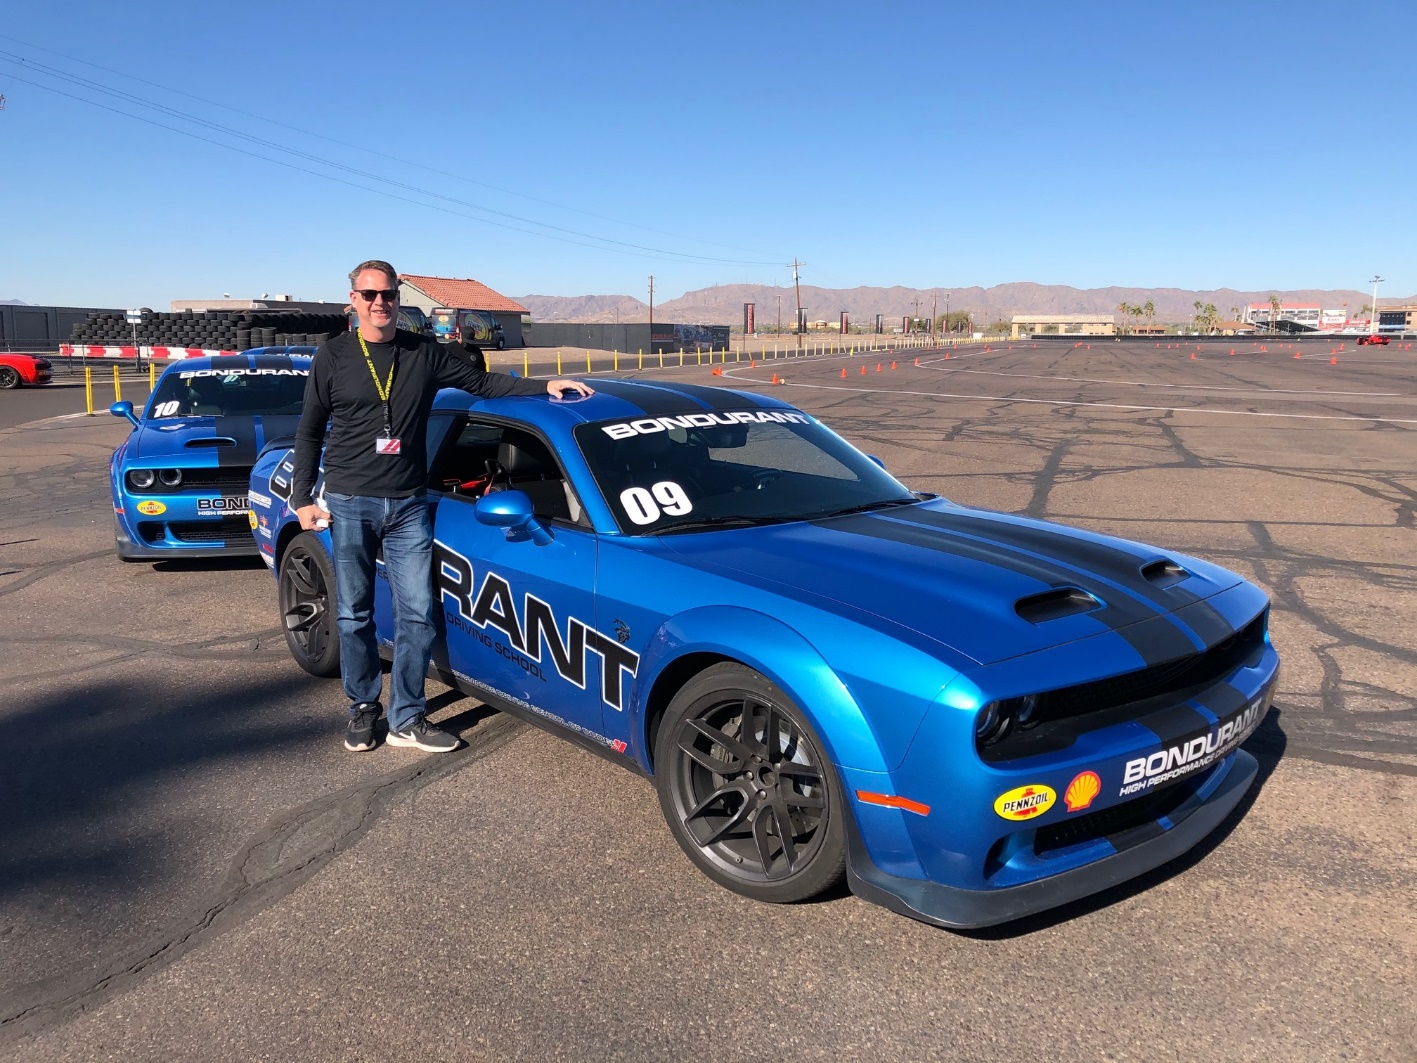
(1085, 786)
(151, 508)
(1025, 802)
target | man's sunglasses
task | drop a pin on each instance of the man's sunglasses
(370, 294)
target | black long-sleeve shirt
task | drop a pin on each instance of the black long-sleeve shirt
(341, 391)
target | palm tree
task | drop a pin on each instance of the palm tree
(1150, 311)
(1273, 310)
(1196, 317)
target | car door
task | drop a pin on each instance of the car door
(519, 618)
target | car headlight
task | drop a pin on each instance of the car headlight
(170, 477)
(142, 479)
(991, 724)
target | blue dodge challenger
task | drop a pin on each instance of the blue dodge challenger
(179, 480)
(972, 716)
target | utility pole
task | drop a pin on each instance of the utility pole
(797, 283)
(779, 313)
(651, 311)
(934, 298)
(1373, 317)
(947, 311)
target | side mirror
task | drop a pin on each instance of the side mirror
(511, 510)
(877, 460)
(123, 409)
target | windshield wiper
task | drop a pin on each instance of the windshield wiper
(724, 522)
(865, 507)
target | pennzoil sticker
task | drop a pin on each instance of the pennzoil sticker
(151, 508)
(1025, 802)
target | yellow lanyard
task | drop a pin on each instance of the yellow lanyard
(387, 388)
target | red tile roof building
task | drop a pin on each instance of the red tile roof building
(461, 294)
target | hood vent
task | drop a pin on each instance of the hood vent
(1051, 605)
(1164, 573)
(212, 441)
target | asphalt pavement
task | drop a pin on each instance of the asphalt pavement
(191, 866)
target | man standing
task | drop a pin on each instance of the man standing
(375, 388)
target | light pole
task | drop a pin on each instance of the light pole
(1373, 317)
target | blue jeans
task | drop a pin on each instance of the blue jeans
(358, 525)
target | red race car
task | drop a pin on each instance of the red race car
(1373, 339)
(18, 369)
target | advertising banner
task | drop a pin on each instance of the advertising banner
(748, 323)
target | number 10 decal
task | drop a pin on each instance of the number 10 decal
(165, 409)
(644, 507)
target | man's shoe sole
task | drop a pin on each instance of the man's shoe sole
(359, 749)
(396, 739)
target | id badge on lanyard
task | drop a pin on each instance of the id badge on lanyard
(387, 442)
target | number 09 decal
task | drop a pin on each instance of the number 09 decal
(645, 507)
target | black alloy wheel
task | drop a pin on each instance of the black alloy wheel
(746, 790)
(307, 606)
(9, 377)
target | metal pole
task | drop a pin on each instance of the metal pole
(1373, 317)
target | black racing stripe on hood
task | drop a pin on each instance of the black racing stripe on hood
(1155, 639)
(243, 430)
(1119, 566)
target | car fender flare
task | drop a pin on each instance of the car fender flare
(771, 647)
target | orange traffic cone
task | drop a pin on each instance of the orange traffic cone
(1296, 354)
(917, 361)
(863, 370)
(947, 356)
(1333, 360)
(892, 365)
(878, 367)
(753, 364)
(717, 371)
(775, 380)
(1193, 356)
(843, 372)
(1232, 352)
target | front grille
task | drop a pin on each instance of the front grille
(1109, 822)
(1063, 714)
(227, 529)
(230, 479)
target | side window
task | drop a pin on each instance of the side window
(480, 457)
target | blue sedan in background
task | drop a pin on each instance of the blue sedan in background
(179, 480)
(971, 716)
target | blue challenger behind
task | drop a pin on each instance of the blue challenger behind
(179, 480)
(972, 716)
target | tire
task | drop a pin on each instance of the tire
(9, 377)
(307, 606)
(725, 798)
(501, 344)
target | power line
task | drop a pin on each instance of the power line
(371, 151)
(217, 127)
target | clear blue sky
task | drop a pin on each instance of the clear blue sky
(1250, 145)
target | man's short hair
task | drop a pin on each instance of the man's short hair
(374, 263)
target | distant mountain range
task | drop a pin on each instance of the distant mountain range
(723, 303)
(14, 302)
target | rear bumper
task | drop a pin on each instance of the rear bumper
(960, 909)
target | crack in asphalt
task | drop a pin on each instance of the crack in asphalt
(275, 861)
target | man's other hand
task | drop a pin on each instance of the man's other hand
(310, 514)
(557, 388)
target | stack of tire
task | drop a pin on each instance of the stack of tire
(213, 330)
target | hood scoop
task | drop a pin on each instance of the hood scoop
(212, 441)
(1054, 604)
(1164, 573)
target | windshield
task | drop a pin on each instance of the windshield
(218, 392)
(700, 470)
